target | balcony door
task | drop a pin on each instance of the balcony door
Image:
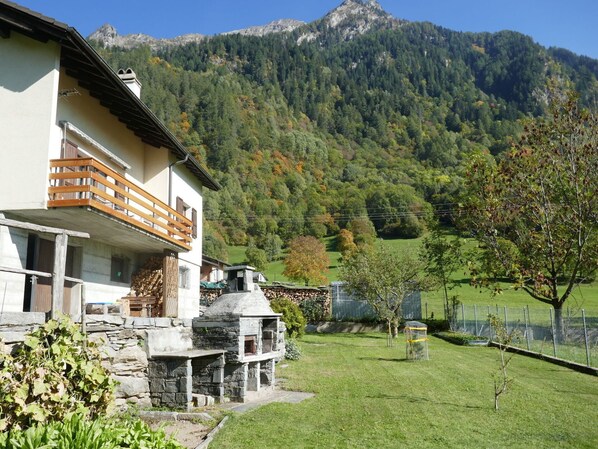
(70, 151)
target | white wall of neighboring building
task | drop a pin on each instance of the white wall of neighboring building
(28, 95)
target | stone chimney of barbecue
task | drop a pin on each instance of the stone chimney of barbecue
(130, 79)
(240, 278)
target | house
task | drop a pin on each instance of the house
(212, 270)
(79, 150)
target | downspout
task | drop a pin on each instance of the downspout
(170, 168)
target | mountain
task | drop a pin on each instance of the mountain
(350, 19)
(369, 123)
(107, 36)
(277, 26)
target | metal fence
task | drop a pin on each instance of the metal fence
(536, 330)
(345, 307)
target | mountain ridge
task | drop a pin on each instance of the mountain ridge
(352, 17)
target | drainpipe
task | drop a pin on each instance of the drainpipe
(170, 168)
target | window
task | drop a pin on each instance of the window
(119, 269)
(184, 277)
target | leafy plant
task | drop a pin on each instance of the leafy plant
(291, 315)
(55, 373)
(78, 432)
(292, 351)
(314, 309)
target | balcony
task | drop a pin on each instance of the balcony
(86, 182)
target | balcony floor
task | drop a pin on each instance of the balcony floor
(101, 228)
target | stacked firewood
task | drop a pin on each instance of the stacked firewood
(147, 281)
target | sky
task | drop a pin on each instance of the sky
(570, 24)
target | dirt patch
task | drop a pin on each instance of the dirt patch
(188, 433)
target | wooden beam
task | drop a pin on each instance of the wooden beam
(170, 283)
(39, 228)
(58, 274)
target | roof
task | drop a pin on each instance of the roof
(84, 64)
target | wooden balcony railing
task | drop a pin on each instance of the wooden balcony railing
(88, 182)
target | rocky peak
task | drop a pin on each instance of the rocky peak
(109, 37)
(277, 26)
(355, 17)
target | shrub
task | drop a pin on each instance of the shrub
(291, 315)
(292, 351)
(78, 432)
(55, 373)
(314, 309)
(458, 338)
(436, 325)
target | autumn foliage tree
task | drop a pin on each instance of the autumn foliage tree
(535, 213)
(306, 261)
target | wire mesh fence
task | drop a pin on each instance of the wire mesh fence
(536, 329)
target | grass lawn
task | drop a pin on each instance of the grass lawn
(368, 396)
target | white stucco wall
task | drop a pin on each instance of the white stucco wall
(188, 187)
(87, 114)
(96, 262)
(13, 254)
(28, 93)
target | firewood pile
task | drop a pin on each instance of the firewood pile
(147, 282)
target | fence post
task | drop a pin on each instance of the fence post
(506, 320)
(426, 310)
(475, 317)
(526, 319)
(463, 316)
(585, 334)
(553, 332)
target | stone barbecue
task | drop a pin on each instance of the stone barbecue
(242, 323)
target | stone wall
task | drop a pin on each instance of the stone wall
(124, 344)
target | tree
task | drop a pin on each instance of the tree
(344, 242)
(306, 261)
(536, 212)
(442, 257)
(503, 338)
(383, 278)
(256, 257)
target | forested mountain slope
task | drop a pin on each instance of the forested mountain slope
(357, 114)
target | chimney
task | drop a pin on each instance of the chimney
(130, 79)
(240, 278)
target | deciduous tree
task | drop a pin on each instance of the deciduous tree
(307, 260)
(536, 212)
(383, 278)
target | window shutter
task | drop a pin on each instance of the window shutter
(180, 205)
(194, 220)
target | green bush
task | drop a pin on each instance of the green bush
(78, 432)
(436, 325)
(458, 338)
(56, 372)
(291, 315)
(292, 351)
(314, 309)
